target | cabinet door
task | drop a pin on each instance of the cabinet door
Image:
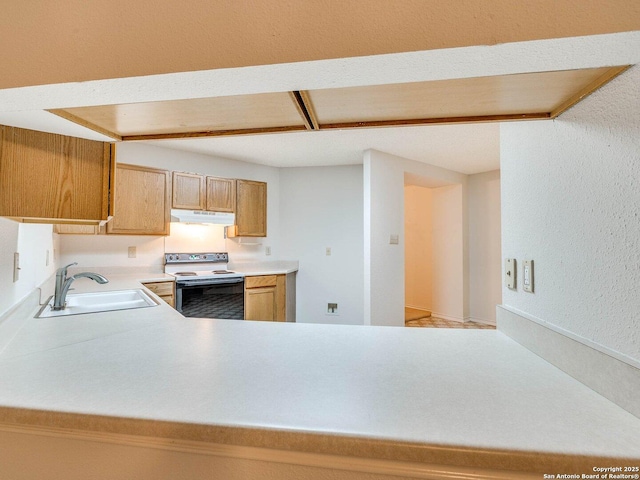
(142, 201)
(251, 209)
(188, 191)
(221, 194)
(260, 304)
(265, 298)
(46, 177)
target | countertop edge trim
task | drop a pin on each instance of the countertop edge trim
(212, 438)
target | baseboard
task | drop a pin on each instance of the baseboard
(610, 376)
(480, 320)
(427, 309)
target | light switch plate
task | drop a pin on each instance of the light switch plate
(16, 267)
(510, 273)
(527, 275)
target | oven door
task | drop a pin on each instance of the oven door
(202, 298)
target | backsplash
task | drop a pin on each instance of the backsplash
(114, 250)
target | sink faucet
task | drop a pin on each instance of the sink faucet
(63, 283)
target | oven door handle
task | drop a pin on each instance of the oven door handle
(208, 282)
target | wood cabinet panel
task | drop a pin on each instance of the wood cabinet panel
(165, 290)
(221, 194)
(142, 201)
(251, 209)
(265, 298)
(188, 191)
(261, 281)
(46, 177)
(260, 304)
(64, 228)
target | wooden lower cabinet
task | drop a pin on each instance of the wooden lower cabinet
(265, 298)
(165, 290)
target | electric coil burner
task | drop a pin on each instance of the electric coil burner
(204, 286)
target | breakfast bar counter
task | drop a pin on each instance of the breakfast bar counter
(344, 397)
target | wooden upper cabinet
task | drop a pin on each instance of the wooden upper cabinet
(142, 201)
(188, 191)
(49, 178)
(221, 194)
(251, 209)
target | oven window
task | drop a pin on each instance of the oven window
(214, 302)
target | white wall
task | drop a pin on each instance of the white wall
(418, 247)
(449, 275)
(384, 179)
(434, 250)
(321, 207)
(485, 270)
(571, 202)
(31, 241)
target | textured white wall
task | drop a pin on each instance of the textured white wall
(418, 247)
(31, 241)
(571, 202)
(384, 180)
(485, 271)
(322, 207)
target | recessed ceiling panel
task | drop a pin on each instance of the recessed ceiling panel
(497, 96)
(192, 115)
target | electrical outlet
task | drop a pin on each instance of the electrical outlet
(267, 250)
(394, 239)
(332, 309)
(328, 251)
(46, 261)
(132, 252)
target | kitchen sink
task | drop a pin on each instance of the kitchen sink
(80, 303)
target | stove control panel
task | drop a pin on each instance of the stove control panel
(220, 257)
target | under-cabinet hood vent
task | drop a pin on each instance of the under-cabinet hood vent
(197, 216)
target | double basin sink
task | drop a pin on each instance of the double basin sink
(80, 303)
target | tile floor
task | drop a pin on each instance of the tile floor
(421, 318)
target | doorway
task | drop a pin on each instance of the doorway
(434, 253)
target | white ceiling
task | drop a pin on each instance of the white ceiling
(463, 148)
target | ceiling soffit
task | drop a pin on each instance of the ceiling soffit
(529, 96)
(78, 41)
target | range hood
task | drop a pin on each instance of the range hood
(199, 216)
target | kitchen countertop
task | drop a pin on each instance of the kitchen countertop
(443, 396)
(275, 267)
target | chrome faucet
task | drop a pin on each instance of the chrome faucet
(63, 283)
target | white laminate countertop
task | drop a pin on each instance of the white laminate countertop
(445, 396)
(275, 267)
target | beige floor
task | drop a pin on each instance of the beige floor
(423, 318)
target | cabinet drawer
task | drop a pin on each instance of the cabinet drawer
(262, 281)
(160, 288)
